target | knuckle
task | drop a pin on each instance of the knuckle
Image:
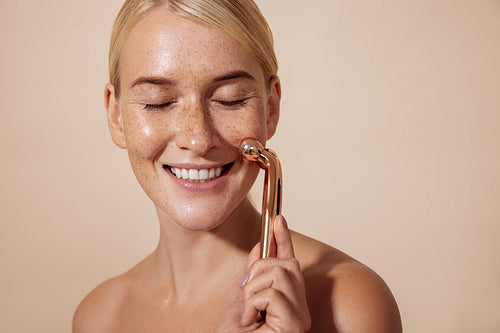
(273, 293)
(278, 270)
(294, 263)
(258, 267)
(247, 292)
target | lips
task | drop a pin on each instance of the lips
(198, 175)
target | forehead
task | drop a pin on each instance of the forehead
(166, 44)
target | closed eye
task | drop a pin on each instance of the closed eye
(239, 102)
(157, 107)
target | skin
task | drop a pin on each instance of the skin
(189, 95)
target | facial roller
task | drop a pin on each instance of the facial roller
(266, 159)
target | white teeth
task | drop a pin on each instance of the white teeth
(193, 174)
(196, 175)
(203, 174)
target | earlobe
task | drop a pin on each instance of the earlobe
(114, 116)
(273, 106)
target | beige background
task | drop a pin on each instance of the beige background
(389, 138)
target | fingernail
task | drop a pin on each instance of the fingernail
(284, 222)
(244, 280)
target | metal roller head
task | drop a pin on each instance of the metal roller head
(251, 149)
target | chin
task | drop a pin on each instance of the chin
(198, 217)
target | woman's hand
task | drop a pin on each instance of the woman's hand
(273, 286)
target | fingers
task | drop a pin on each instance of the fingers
(280, 281)
(285, 261)
(281, 275)
(283, 238)
(278, 310)
(276, 277)
(276, 286)
(275, 273)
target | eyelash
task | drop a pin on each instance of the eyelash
(157, 107)
(239, 102)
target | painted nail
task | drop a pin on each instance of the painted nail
(244, 280)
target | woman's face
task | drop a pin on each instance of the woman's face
(189, 95)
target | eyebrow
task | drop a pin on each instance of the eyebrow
(234, 75)
(161, 81)
(158, 81)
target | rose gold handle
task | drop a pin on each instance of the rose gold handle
(253, 150)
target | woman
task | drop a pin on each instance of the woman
(189, 80)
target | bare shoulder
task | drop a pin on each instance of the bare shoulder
(343, 294)
(98, 309)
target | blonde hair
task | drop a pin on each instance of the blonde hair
(240, 19)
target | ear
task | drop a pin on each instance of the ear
(273, 106)
(114, 114)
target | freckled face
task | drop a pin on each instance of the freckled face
(189, 95)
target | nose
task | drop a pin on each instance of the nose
(195, 130)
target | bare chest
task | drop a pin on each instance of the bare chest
(142, 315)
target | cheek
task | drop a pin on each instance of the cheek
(144, 136)
(242, 126)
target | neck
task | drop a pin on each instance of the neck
(193, 262)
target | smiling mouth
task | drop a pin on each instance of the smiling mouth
(198, 175)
